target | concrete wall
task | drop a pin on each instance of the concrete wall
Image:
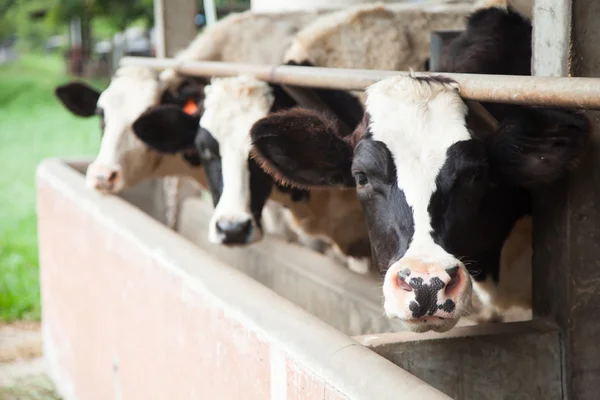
(131, 310)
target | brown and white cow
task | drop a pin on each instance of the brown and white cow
(443, 200)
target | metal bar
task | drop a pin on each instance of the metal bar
(534, 91)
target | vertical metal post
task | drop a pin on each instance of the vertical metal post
(566, 274)
(175, 29)
(174, 23)
(551, 37)
(210, 11)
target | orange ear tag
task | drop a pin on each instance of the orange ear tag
(190, 107)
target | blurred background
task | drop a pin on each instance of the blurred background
(44, 43)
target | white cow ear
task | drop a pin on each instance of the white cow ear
(167, 129)
(78, 98)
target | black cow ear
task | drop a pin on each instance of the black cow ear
(79, 98)
(167, 129)
(538, 146)
(302, 148)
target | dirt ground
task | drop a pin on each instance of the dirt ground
(22, 369)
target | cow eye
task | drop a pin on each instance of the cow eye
(361, 179)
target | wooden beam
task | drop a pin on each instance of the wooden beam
(175, 27)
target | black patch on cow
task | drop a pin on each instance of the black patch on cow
(207, 149)
(426, 295)
(448, 306)
(167, 129)
(100, 113)
(471, 215)
(296, 194)
(389, 217)
(346, 106)
(535, 147)
(192, 157)
(261, 185)
(79, 98)
(495, 42)
(281, 100)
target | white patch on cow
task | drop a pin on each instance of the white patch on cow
(418, 121)
(231, 107)
(131, 92)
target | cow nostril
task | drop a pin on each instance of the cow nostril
(403, 284)
(234, 232)
(245, 227)
(112, 177)
(454, 281)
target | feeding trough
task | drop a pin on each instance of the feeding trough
(133, 309)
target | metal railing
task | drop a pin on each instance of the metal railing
(529, 90)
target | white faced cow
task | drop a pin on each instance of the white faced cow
(221, 137)
(123, 160)
(442, 201)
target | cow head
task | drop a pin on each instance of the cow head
(123, 160)
(221, 138)
(439, 200)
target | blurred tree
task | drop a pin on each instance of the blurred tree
(121, 13)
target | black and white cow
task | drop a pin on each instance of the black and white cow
(443, 203)
(123, 160)
(221, 137)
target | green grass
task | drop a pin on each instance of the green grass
(33, 126)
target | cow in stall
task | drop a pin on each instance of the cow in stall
(446, 201)
(123, 160)
(231, 106)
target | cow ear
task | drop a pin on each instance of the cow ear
(79, 98)
(538, 146)
(167, 129)
(302, 148)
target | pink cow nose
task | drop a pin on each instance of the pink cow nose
(424, 290)
(102, 178)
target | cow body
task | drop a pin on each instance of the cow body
(447, 204)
